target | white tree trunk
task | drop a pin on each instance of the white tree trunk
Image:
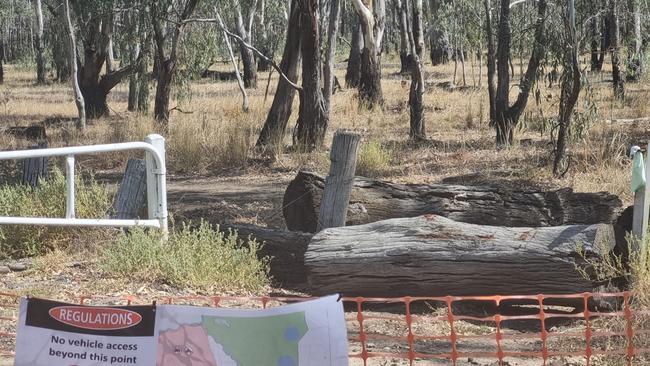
(79, 98)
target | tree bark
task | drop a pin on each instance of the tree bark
(167, 63)
(79, 98)
(276, 121)
(596, 65)
(313, 116)
(491, 61)
(370, 93)
(416, 106)
(571, 85)
(247, 56)
(618, 82)
(134, 53)
(240, 82)
(435, 256)
(38, 40)
(332, 35)
(507, 117)
(374, 200)
(262, 64)
(353, 71)
(404, 43)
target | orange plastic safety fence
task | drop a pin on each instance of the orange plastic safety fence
(431, 329)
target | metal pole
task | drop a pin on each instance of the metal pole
(157, 181)
(69, 184)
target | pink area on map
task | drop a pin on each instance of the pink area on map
(185, 346)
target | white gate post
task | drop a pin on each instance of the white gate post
(641, 205)
(156, 182)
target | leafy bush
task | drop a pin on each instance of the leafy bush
(203, 258)
(373, 160)
(48, 200)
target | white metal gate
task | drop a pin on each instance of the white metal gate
(154, 147)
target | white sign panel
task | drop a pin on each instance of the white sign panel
(308, 333)
(57, 334)
(52, 333)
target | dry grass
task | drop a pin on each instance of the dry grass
(213, 134)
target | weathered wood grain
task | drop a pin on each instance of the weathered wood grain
(375, 200)
(435, 256)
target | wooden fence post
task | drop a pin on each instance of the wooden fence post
(131, 196)
(35, 169)
(641, 204)
(338, 184)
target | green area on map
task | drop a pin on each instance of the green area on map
(256, 341)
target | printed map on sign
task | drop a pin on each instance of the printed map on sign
(309, 333)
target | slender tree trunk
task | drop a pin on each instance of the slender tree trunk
(79, 98)
(596, 65)
(163, 91)
(247, 56)
(2, 60)
(491, 60)
(40, 59)
(370, 93)
(605, 39)
(617, 77)
(107, 31)
(332, 34)
(167, 64)
(400, 8)
(312, 114)
(240, 82)
(353, 71)
(507, 116)
(635, 59)
(278, 117)
(571, 84)
(418, 129)
(262, 64)
(134, 53)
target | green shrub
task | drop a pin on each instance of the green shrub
(48, 200)
(203, 258)
(373, 160)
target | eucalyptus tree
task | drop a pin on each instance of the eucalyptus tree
(96, 20)
(370, 92)
(506, 116)
(570, 86)
(244, 28)
(618, 81)
(175, 14)
(38, 42)
(353, 70)
(276, 121)
(313, 113)
(78, 93)
(418, 130)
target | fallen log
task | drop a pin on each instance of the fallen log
(373, 200)
(435, 256)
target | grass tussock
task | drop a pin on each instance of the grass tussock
(201, 258)
(93, 200)
(634, 268)
(373, 160)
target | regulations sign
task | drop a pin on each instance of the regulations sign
(52, 333)
(58, 334)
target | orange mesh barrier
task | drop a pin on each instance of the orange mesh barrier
(437, 330)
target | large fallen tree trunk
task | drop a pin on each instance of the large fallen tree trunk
(374, 200)
(435, 256)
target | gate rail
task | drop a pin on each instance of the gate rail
(154, 147)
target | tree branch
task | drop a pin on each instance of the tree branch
(247, 45)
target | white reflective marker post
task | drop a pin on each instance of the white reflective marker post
(154, 147)
(69, 187)
(641, 203)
